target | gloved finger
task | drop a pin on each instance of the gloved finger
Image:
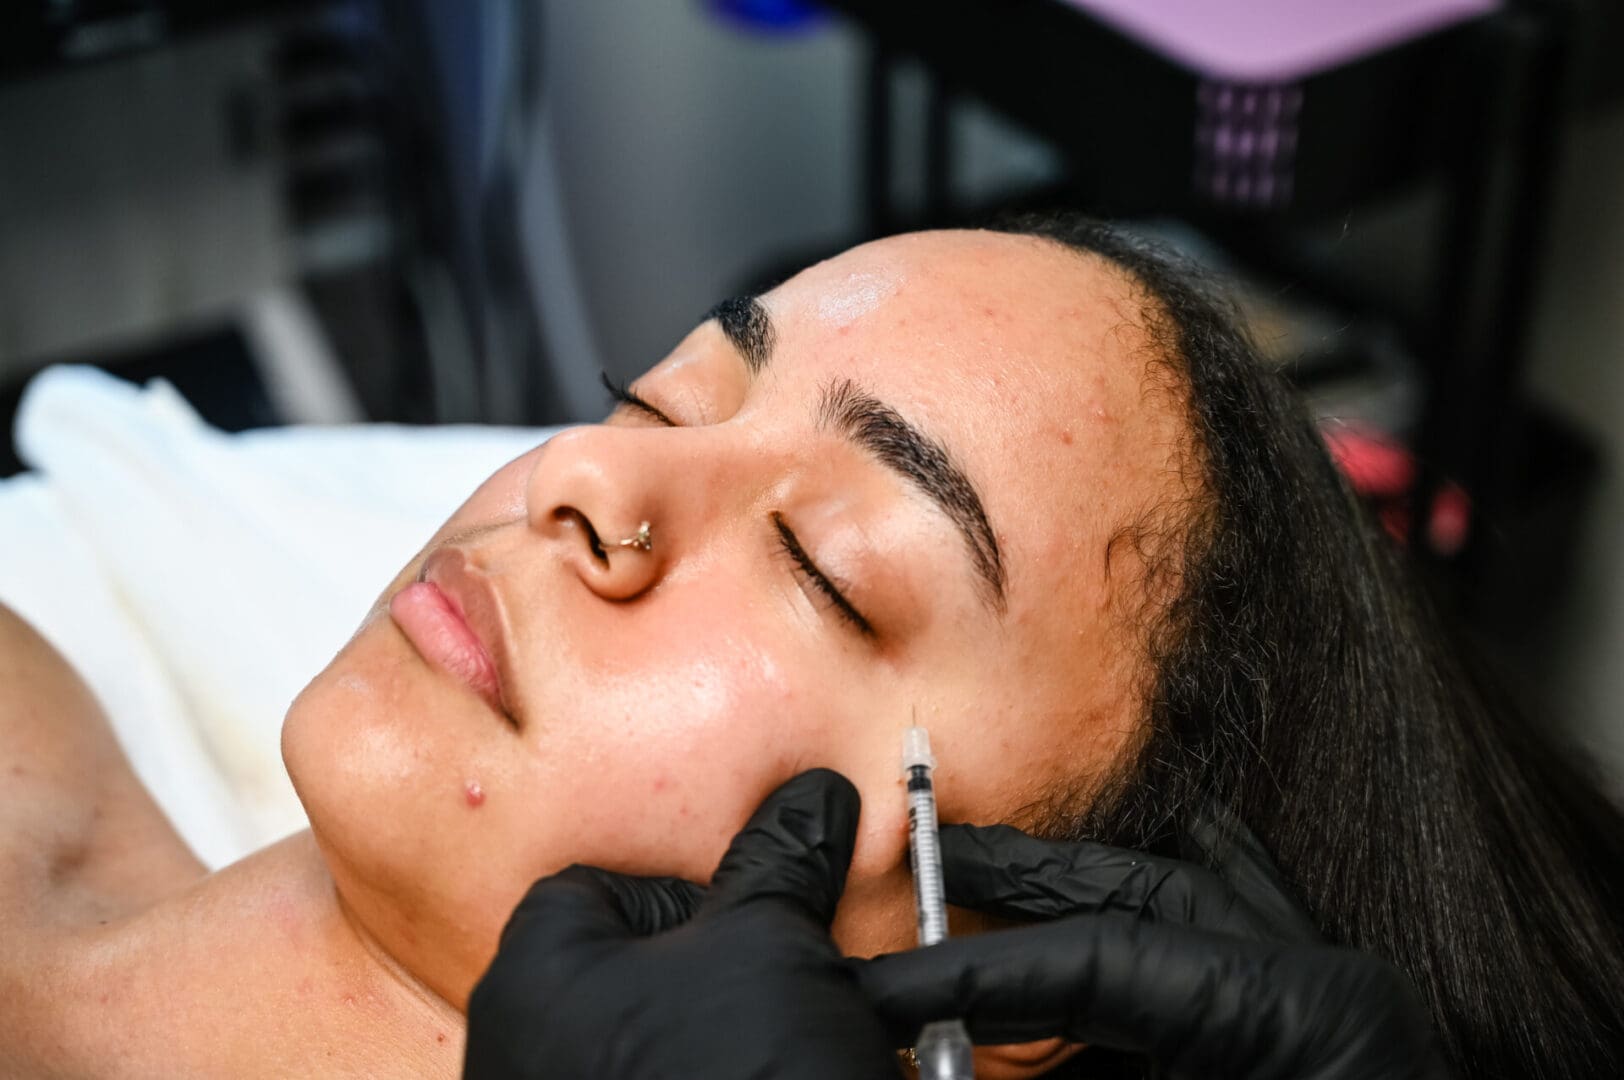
(1197, 1004)
(795, 849)
(1008, 985)
(1003, 871)
(584, 903)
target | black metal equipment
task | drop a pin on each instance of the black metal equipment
(1476, 105)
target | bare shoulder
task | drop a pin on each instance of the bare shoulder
(120, 955)
(81, 842)
(78, 832)
(253, 971)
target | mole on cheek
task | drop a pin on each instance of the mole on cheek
(473, 794)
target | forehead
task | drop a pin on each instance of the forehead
(1028, 361)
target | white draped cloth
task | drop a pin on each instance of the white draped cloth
(197, 580)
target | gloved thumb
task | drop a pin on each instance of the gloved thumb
(796, 849)
(584, 904)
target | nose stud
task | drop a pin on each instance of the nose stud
(642, 540)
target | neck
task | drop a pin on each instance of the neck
(368, 991)
(266, 954)
(411, 994)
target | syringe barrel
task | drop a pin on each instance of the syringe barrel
(925, 856)
(943, 1049)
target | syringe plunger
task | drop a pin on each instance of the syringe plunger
(944, 1052)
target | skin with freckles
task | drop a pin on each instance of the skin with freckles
(650, 699)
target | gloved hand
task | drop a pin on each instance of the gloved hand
(609, 977)
(1205, 975)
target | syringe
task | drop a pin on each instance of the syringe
(943, 1047)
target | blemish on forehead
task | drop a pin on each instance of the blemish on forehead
(473, 794)
(859, 294)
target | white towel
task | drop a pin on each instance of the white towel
(198, 579)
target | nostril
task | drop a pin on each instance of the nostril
(569, 513)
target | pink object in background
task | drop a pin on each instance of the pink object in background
(1264, 41)
(1381, 469)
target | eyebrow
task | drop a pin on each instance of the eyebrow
(885, 435)
(745, 321)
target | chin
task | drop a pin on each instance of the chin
(347, 740)
(301, 752)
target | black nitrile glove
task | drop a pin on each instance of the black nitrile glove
(1205, 975)
(606, 977)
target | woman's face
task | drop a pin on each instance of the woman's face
(881, 495)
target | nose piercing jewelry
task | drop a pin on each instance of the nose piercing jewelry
(642, 541)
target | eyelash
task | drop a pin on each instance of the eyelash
(621, 394)
(792, 547)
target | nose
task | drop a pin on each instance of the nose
(589, 493)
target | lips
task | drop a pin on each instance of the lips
(453, 618)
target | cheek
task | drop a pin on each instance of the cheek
(668, 724)
(500, 498)
(663, 728)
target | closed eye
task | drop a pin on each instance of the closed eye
(621, 394)
(818, 579)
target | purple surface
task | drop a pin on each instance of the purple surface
(1276, 40)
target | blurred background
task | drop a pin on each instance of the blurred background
(433, 211)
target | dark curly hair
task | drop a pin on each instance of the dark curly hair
(1298, 678)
